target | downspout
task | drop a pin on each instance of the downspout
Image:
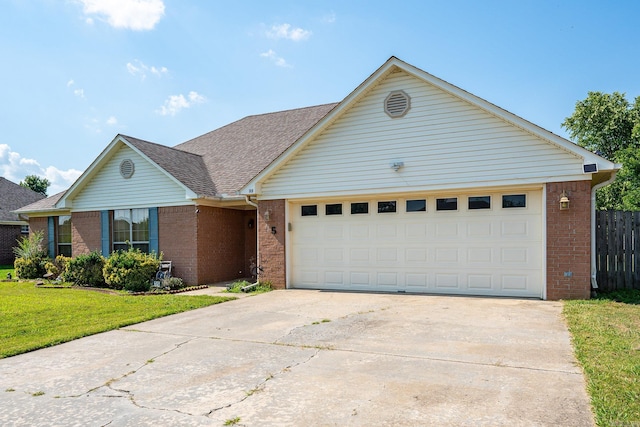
(594, 271)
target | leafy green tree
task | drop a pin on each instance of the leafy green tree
(608, 124)
(37, 184)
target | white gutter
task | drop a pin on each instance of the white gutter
(249, 202)
(594, 271)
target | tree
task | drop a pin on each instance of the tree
(37, 184)
(609, 125)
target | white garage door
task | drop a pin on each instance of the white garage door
(479, 244)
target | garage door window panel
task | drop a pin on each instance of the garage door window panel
(479, 202)
(333, 209)
(359, 208)
(514, 201)
(309, 210)
(447, 204)
(387, 207)
(418, 205)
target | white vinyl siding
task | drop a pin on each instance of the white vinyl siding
(148, 186)
(443, 141)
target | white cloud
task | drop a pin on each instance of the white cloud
(284, 31)
(70, 83)
(279, 61)
(112, 121)
(129, 14)
(329, 18)
(138, 68)
(79, 93)
(15, 168)
(175, 103)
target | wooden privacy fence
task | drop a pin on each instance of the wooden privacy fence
(618, 250)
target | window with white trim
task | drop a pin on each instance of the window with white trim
(131, 228)
(63, 235)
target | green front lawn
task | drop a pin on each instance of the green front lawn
(32, 318)
(4, 269)
(606, 338)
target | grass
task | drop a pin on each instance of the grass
(606, 338)
(4, 269)
(236, 287)
(33, 318)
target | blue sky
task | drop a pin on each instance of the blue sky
(75, 73)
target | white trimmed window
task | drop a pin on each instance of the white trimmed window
(63, 235)
(131, 228)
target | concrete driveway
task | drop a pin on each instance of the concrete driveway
(310, 358)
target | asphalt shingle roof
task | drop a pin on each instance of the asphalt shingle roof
(13, 197)
(188, 168)
(237, 152)
(42, 205)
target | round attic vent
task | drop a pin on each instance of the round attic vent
(397, 103)
(127, 168)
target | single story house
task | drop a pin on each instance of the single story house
(409, 184)
(12, 228)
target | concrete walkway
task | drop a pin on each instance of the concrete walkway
(310, 358)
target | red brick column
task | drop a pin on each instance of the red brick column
(569, 241)
(85, 233)
(177, 241)
(271, 250)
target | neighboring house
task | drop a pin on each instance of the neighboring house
(410, 184)
(12, 228)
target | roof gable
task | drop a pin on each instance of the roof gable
(187, 166)
(450, 94)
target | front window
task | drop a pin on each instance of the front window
(131, 228)
(63, 235)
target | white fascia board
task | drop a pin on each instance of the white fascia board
(66, 200)
(428, 189)
(14, 223)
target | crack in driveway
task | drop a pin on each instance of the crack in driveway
(261, 385)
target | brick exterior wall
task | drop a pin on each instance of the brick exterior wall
(9, 237)
(85, 233)
(272, 246)
(177, 228)
(40, 224)
(569, 241)
(206, 244)
(221, 244)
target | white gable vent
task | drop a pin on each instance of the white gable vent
(397, 104)
(127, 168)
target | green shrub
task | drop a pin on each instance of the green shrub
(58, 266)
(86, 270)
(131, 270)
(31, 268)
(30, 256)
(175, 283)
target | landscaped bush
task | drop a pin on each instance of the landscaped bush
(30, 256)
(131, 270)
(58, 266)
(85, 270)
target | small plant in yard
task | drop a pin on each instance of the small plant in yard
(30, 256)
(131, 270)
(232, 421)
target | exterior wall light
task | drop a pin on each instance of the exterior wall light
(396, 166)
(564, 202)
